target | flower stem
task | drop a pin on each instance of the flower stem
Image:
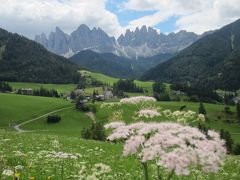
(170, 175)
(145, 171)
(159, 177)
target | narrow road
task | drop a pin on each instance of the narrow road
(92, 116)
(18, 129)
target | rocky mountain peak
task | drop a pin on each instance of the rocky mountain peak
(141, 42)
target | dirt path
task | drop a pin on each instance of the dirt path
(18, 129)
(92, 116)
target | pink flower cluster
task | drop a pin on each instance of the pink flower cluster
(148, 113)
(171, 145)
(137, 99)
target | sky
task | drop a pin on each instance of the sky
(31, 17)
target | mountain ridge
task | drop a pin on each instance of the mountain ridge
(213, 60)
(143, 42)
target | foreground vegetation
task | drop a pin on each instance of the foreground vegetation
(27, 153)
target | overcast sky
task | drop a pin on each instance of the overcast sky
(31, 17)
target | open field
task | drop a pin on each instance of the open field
(110, 80)
(71, 124)
(20, 108)
(31, 150)
(61, 88)
(214, 111)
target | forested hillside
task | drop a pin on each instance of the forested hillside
(213, 61)
(24, 60)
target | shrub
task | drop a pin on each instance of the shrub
(5, 87)
(53, 119)
(236, 149)
(95, 132)
(182, 107)
(162, 97)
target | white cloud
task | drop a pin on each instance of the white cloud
(31, 17)
(195, 15)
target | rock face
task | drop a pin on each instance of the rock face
(81, 39)
(147, 42)
(144, 42)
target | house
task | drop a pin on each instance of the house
(100, 97)
(178, 92)
(108, 95)
(25, 91)
(236, 100)
(79, 92)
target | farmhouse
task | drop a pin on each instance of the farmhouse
(25, 91)
(236, 100)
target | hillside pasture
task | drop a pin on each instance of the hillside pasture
(61, 88)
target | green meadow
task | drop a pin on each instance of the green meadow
(20, 108)
(61, 88)
(30, 151)
(110, 80)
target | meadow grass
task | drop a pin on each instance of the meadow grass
(61, 88)
(110, 80)
(30, 149)
(20, 108)
(214, 111)
(71, 124)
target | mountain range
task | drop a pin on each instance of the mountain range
(25, 60)
(143, 42)
(213, 61)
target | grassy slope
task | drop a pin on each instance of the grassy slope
(123, 168)
(213, 111)
(19, 108)
(71, 124)
(61, 88)
(110, 80)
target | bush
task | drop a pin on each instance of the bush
(162, 97)
(95, 132)
(5, 87)
(236, 149)
(182, 107)
(53, 119)
(227, 110)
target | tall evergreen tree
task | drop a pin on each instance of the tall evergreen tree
(238, 111)
(202, 109)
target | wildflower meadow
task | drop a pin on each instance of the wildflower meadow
(153, 144)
